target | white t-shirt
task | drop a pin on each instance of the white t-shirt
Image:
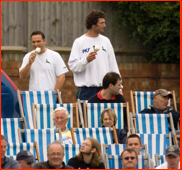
(44, 70)
(165, 166)
(91, 74)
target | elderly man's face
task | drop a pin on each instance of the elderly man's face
(3, 148)
(161, 102)
(129, 160)
(172, 161)
(108, 121)
(60, 119)
(55, 155)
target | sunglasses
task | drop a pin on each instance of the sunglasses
(29, 163)
(127, 158)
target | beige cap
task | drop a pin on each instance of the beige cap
(163, 93)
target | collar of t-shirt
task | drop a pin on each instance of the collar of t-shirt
(51, 167)
(101, 98)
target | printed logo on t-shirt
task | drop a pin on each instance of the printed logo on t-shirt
(47, 61)
(104, 49)
(86, 50)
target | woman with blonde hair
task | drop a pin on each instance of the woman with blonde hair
(108, 118)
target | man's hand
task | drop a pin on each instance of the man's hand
(32, 57)
(121, 92)
(91, 56)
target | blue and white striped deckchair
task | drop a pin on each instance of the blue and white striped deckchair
(80, 116)
(159, 159)
(114, 161)
(37, 97)
(151, 123)
(70, 151)
(143, 100)
(156, 143)
(103, 135)
(94, 111)
(42, 114)
(9, 128)
(43, 137)
(113, 149)
(14, 148)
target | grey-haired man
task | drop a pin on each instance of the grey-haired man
(6, 162)
(161, 99)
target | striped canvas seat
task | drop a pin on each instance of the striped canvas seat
(156, 143)
(42, 114)
(37, 97)
(159, 159)
(114, 161)
(9, 128)
(43, 137)
(70, 151)
(103, 135)
(94, 112)
(151, 123)
(14, 148)
(142, 99)
(113, 149)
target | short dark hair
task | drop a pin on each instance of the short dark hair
(38, 33)
(92, 18)
(133, 136)
(110, 78)
(130, 150)
(3, 138)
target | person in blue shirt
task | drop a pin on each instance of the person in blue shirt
(6, 162)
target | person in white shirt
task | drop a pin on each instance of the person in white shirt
(60, 118)
(88, 65)
(45, 68)
(172, 158)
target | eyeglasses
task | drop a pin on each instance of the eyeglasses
(54, 154)
(85, 144)
(132, 158)
(4, 147)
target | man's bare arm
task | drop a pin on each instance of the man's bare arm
(60, 82)
(25, 72)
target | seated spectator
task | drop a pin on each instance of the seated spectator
(129, 159)
(133, 141)
(90, 156)
(6, 162)
(161, 99)
(172, 158)
(111, 84)
(55, 155)
(60, 118)
(25, 159)
(108, 118)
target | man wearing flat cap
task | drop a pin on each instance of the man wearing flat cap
(172, 158)
(161, 99)
(25, 159)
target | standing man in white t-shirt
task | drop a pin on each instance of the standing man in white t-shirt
(45, 68)
(172, 158)
(88, 63)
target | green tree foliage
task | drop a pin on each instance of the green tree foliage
(157, 23)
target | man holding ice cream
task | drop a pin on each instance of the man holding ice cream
(92, 56)
(45, 67)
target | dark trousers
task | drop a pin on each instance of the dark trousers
(85, 93)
